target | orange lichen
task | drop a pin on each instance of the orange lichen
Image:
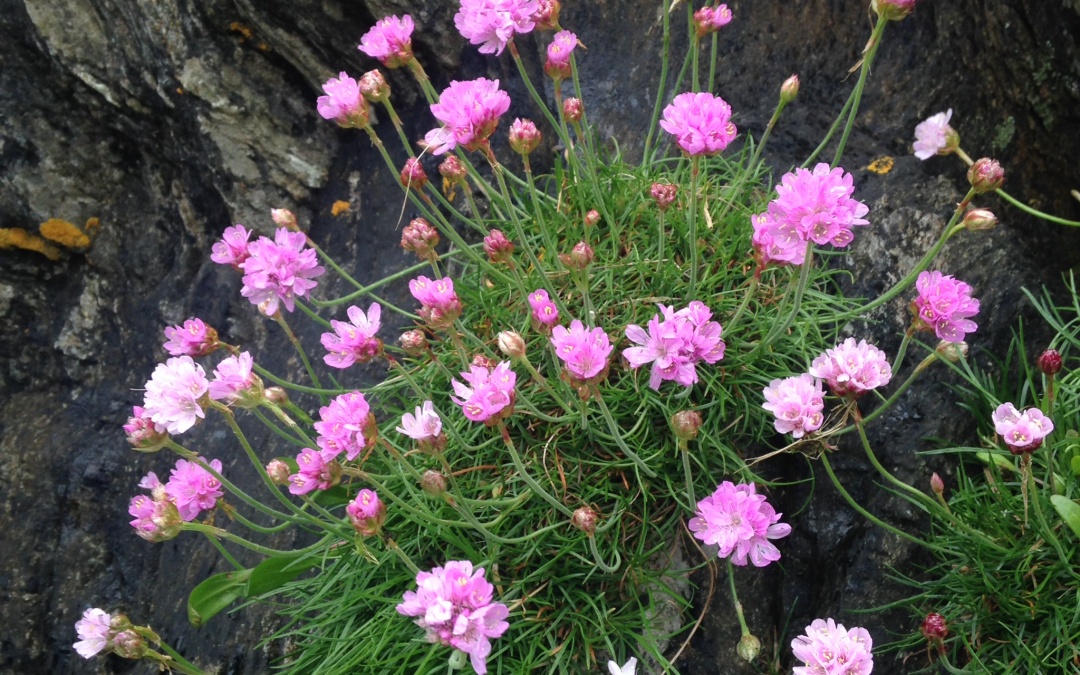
(339, 208)
(244, 31)
(92, 226)
(263, 47)
(64, 233)
(881, 165)
(16, 237)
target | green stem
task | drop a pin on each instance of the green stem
(899, 359)
(735, 598)
(177, 662)
(392, 545)
(751, 168)
(800, 288)
(542, 381)
(688, 476)
(868, 58)
(211, 531)
(734, 320)
(665, 61)
(224, 552)
(527, 477)
(616, 432)
(712, 60)
(1019, 204)
(694, 175)
(832, 130)
(280, 319)
(695, 51)
(599, 560)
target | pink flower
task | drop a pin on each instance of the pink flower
(423, 425)
(194, 338)
(390, 41)
(740, 522)
(156, 516)
(700, 122)
(279, 271)
(1022, 432)
(173, 393)
(489, 394)
(193, 489)
(777, 241)
(934, 136)
(142, 432)
(676, 345)
(94, 631)
(852, 369)
(544, 311)
(797, 402)
(346, 425)
(366, 512)
(664, 194)
(583, 352)
(315, 473)
(817, 204)
(499, 249)
(711, 19)
(493, 23)
(233, 247)
(440, 305)
(353, 342)
(944, 305)
(344, 103)
(469, 112)
(559, 52)
(235, 383)
(830, 649)
(454, 605)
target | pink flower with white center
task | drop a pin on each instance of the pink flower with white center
(353, 342)
(583, 352)
(454, 605)
(675, 345)
(346, 425)
(233, 247)
(818, 205)
(390, 41)
(440, 305)
(194, 489)
(934, 136)
(544, 311)
(559, 52)
(173, 393)
(193, 338)
(1022, 432)
(777, 241)
(315, 473)
(703, 343)
(700, 122)
(469, 112)
(156, 517)
(94, 631)
(493, 23)
(711, 19)
(279, 271)
(142, 432)
(366, 513)
(344, 103)
(234, 381)
(423, 425)
(852, 369)
(488, 394)
(830, 649)
(739, 520)
(944, 305)
(797, 402)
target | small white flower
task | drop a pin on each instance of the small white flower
(629, 669)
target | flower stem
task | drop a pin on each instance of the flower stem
(616, 432)
(694, 176)
(688, 476)
(735, 598)
(525, 476)
(599, 560)
(661, 91)
(280, 319)
(177, 662)
(868, 58)
(1019, 204)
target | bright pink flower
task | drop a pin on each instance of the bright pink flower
(234, 381)
(675, 345)
(366, 512)
(1022, 432)
(559, 52)
(173, 393)
(279, 271)
(440, 305)
(499, 249)
(142, 432)
(817, 204)
(583, 352)
(700, 122)
(315, 473)
(344, 103)
(493, 23)
(353, 342)
(739, 520)
(94, 631)
(852, 369)
(711, 19)
(524, 136)
(454, 605)
(390, 41)
(193, 489)
(194, 338)
(544, 311)
(944, 305)
(830, 649)
(233, 247)
(777, 241)
(489, 393)
(797, 402)
(469, 112)
(423, 425)
(934, 136)
(346, 425)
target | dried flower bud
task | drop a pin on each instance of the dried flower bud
(977, 220)
(1049, 362)
(937, 485)
(892, 10)
(524, 136)
(686, 424)
(664, 194)
(414, 342)
(985, 175)
(584, 519)
(374, 87)
(952, 351)
(453, 170)
(129, 645)
(580, 257)
(789, 89)
(285, 218)
(484, 361)
(276, 395)
(748, 648)
(420, 238)
(433, 482)
(546, 16)
(592, 218)
(499, 249)
(511, 344)
(572, 109)
(412, 174)
(278, 471)
(935, 628)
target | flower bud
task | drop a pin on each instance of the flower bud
(420, 238)
(985, 175)
(511, 344)
(452, 170)
(789, 89)
(580, 257)
(584, 519)
(284, 218)
(166, 521)
(412, 174)
(278, 471)
(524, 136)
(664, 194)
(748, 648)
(129, 645)
(1049, 362)
(433, 482)
(142, 433)
(499, 249)
(374, 87)
(366, 513)
(952, 351)
(711, 19)
(546, 16)
(414, 342)
(937, 485)
(592, 218)
(686, 424)
(892, 10)
(977, 220)
(276, 395)
(934, 627)
(484, 361)
(572, 109)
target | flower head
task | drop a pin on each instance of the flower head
(934, 136)
(355, 341)
(1022, 432)
(739, 520)
(628, 668)
(524, 136)
(493, 23)
(390, 41)
(344, 103)
(498, 248)
(985, 175)
(346, 425)
(776, 241)
(487, 394)
(193, 489)
(156, 516)
(94, 632)
(424, 426)
(797, 402)
(700, 122)
(711, 19)
(675, 345)
(366, 512)
(544, 312)
(817, 205)
(559, 52)
(944, 306)
(469, 112)
(830, 649)
(315, 473)
(583, 352)
(233, 247)
(852, 369)
(420, 238)
(1049, 362)
(235, 383)
(193, 338)
(279, 271)
(893, 10)
(173, 393)
(439, 303)
(142, 432)
(664, 194)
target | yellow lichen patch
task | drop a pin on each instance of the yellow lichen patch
(339, 208)
(92, 226)
(881, 165)
(16, 237)
(64, 233)
(244, 31)
(448, 189)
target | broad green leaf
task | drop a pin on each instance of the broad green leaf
(1069, 512)
(215, 594)
(273, 573)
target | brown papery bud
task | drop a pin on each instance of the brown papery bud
(978, 220)
(584, 519)
(986, 175)
(511, 344)
(686, 424)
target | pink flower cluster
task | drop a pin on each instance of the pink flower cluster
(95, 632)
(700, 122)
(583, 352)
(1022, 432)
(193, 338)
(711, 19)
(190, 491)
(424, 426)
(355, 341)
(366, 513)
(439, 304)
(233, 247)
(173, 393)
(739, 520)
(830, 649)
(142, 432)
(677, 344)
(493, 23)
(489, 394)
(346, 425)
(544, 312)
(944, 306)
(278, 271)
(390, 41)
(313, 473)
(454, 605)
(797, 402)
(852, 369)
(343, 102)
(469, 112)
(235, 383)
(559, 53)
(934, 136)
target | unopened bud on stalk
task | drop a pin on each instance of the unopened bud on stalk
(414, 342)
(978, 220)
(278, 471)
(985, 175)
(937, 485)
(452, 170)
(276, 395)
(592, 218)
(580, 257)
(499, 249)
(892, 10)
(374, 87)
(748, 648)
(484, 361)
(511, 344)
(686, 424)
(285, 218)
(524, 136)
(572, 109)
(433, 482)
(584, 519)
(420, 238)
(1049, 362)
(664, 194)
(952, 351)
(789, 89)
(935, 628)
(412, 174)
(546, 16)
(129, 645)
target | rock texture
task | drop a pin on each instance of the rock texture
(170, 120)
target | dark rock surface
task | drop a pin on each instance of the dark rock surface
(170, 120)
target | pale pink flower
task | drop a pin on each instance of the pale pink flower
(343, 102)
(1022, 432)
(817, 204)
(355, 341)
(675, 345)
(944, 305)
(932, 135)
(739, 520)
(142, 432)
(453, 604)
(440, 305)
(583, 352)
(193, 338)
(544, 311)
(493, 23)
(628, 668)
(488, 394)
(156, 516)
(422, 425)
(94, 631)
(830, 649)
(346, 425)
(366, 512)
(315, 473)
(469, 112)
(173, 393)
(279, 271)
(234, 380)
(390, 41)
(797, 402)
(700, 122)
(194, 489)
(499, 249)
(852, 369)
(233, 247)
(777, 241)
